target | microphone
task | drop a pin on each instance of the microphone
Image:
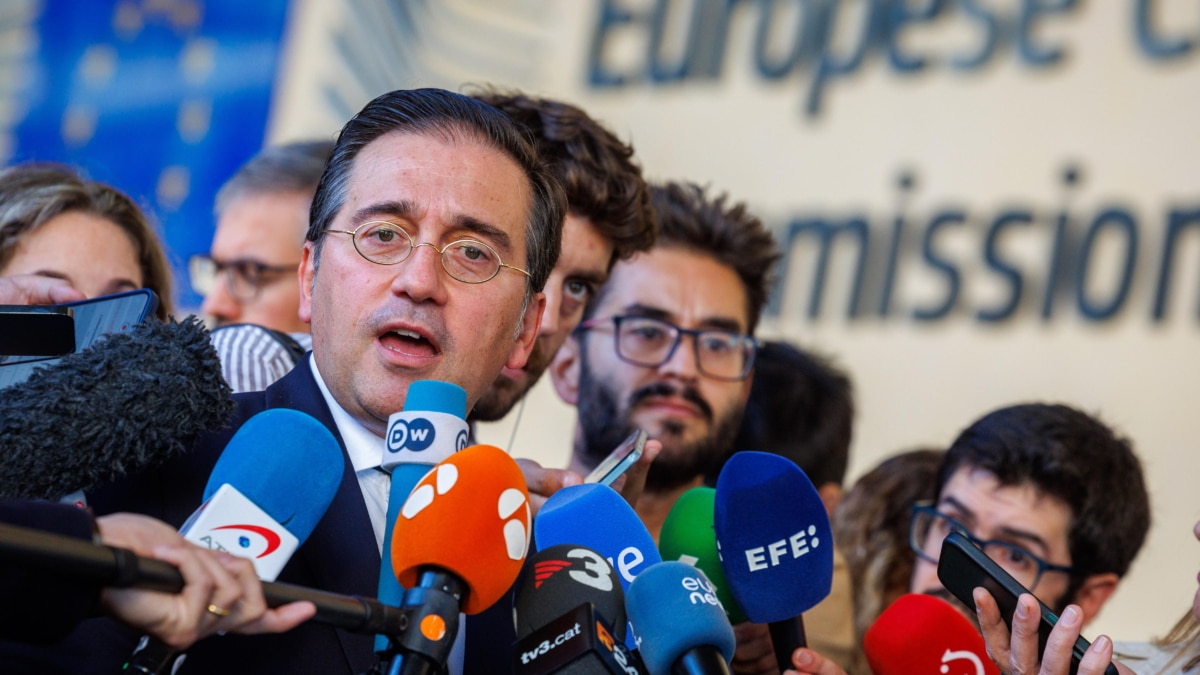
(265, 495)
(688, 536)
(471, 516)
(680, 623)
(596, 516)
(775, 542)
(122, 568)
(125, 404)
(924, 634)
(569, 612)
(431, 428)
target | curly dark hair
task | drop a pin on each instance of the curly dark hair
(595, 168)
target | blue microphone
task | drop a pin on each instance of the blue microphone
(775, 543)
(679, 621)
(430, 429)
(597, 517)
(268, 490)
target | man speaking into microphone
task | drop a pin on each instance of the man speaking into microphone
(433, 231)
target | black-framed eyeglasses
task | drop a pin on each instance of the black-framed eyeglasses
(244, 278)
(646, 341)
(467, 260)
(929, 527)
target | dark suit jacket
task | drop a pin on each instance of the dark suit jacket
(340, 556)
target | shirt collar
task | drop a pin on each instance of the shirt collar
(362, 445)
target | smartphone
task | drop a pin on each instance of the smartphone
(963, 567)
(36, 330)
(92, 318)
(619, 460)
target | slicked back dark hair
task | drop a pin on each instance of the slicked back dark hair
(1074, 457)
(595, 168)
(446, 115)
(801, 407)
(689, 219)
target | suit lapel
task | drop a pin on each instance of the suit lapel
(341, 554)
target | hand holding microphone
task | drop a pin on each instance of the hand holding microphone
(220, 593)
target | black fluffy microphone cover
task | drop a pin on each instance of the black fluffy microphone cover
(127, 403)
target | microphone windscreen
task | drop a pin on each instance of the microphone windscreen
(558, 579)
(774, 535)
(286, 463)
(130, 402)
(470, 516)
(687, 535)
(599, 518)
(923, 634)
(673, 608)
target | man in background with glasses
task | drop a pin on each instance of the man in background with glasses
(248, 279)
(1050, 493)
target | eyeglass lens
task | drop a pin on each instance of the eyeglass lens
(651, 342)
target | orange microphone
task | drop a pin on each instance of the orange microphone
(458, 545)
(923, 634)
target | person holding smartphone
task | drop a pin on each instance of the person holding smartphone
(1050, 493)
(1017, 651)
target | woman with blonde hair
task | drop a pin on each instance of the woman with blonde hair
(55, 223)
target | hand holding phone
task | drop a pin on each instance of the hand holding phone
(963, 567)
(619, 460)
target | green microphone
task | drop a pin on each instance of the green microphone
(688, 536)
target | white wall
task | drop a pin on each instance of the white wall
(981, 141)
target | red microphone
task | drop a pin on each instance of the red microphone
(923, 635)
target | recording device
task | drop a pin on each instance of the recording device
(963, 567)
(679, 621)
(569, 612)
(922, 634)
(36, 330)
(471, 516)
(619, 460)
(597, 517)
(122, 568)
(776, 544)
(268, 490)
(90, 319)
(687, 536)
(431, 428)
(120, 400)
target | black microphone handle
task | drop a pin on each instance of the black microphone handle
(122, 568)
(787, 636)
(701, 660)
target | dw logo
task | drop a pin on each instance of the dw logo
(415, 435)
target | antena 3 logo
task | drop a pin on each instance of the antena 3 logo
(414, 435)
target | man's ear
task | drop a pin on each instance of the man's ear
(1095, 591)
(307, 271)
(527, 332)
(564, 370)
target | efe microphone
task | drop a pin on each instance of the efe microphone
(775, 542)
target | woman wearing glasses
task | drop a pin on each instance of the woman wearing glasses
(53, 223)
